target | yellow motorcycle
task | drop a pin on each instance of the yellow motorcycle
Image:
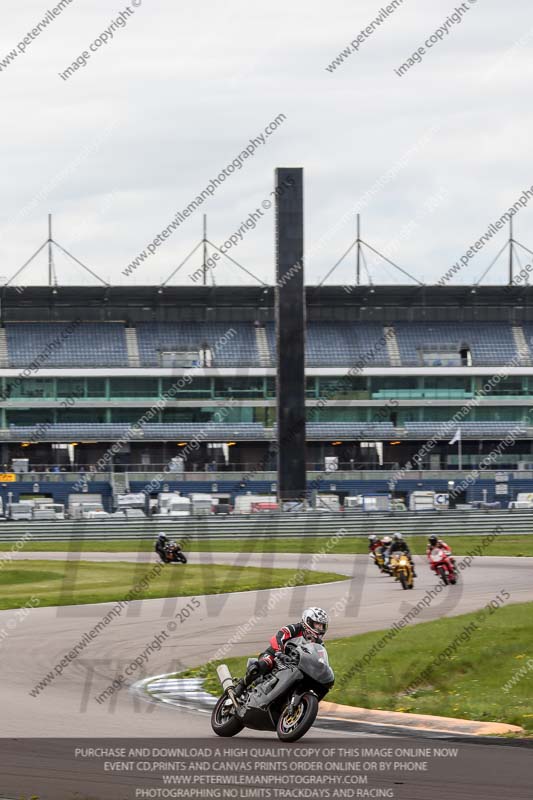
(379, 561)
(402, 570)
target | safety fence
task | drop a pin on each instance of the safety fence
(448, 523)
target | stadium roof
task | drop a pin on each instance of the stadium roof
(366, 302)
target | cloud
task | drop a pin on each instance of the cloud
(184, 87)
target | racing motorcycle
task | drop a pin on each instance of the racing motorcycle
(285, 700)
(402, 570)
(379, 561)
(173, 554)
(443, 565)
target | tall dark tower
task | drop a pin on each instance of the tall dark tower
(290, 334)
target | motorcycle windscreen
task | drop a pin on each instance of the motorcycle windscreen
(314, 662)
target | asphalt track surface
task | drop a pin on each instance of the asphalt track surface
(67, 706)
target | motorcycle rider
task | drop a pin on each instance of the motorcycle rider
(385, 544)
(399, 545)
(434, 541)
(383, 550)
(375, 545)
(312, 627)
(161, 545)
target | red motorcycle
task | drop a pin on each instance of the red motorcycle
(174, 554)
(444, 565)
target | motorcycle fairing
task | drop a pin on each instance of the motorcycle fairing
(261, 709)
(258, 710)
(314, 663)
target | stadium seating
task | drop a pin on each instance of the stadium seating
(227, 348)
(340, 344)
(151, 431)
(60, 344)
(490, 430)
(349, 430)
(333, 343)
(488, 344)
(254, 431)
(235, 344)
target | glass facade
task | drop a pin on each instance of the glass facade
(72, 387)
(343, 388)
(31, 388)
(27, 395)
(338, 414)
(197, 389)
(239, 387)
(121, 388)
(336, 388)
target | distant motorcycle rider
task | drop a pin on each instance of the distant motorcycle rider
(375, 547)
(312, 628)
(399, 545)
(161, 545)
(384, 548)
(433, 542)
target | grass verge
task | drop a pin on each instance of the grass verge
(469, 684)
(59, 583)
(502, 545)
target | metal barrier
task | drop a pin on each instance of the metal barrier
(146, 474)
(443, 523)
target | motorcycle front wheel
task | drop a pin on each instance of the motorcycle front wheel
(181, 557)
(293, 725)
(223, 720)
(443, 575)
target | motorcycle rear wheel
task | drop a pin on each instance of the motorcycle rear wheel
(224, 724)
(292, 727)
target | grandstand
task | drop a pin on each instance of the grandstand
(89, 344)
(328, 344)
(386, 368)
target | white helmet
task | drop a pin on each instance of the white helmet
(372, 537)
(386, 540)
(315, 622)
(398, 537)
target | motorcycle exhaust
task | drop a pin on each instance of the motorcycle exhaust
(224, 677)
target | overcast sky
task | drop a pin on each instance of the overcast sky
(178, 92)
